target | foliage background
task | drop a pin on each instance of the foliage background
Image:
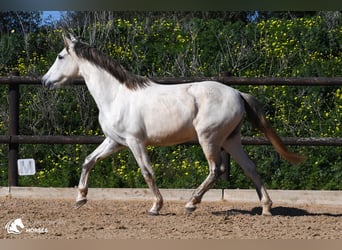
(246, 44)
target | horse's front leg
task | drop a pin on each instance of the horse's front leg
(106, 148)
(140, 154)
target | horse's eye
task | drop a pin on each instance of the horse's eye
(60, 57)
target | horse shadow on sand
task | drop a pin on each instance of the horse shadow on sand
(276, 211)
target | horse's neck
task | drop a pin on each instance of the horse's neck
(101, 85)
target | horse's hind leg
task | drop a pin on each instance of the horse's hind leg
(216, 168)
(106, 148)
(234, 147)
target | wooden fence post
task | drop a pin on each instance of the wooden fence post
(13, 130)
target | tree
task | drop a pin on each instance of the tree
(264, 15)
(19, 21)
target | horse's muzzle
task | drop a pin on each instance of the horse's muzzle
(47, 83)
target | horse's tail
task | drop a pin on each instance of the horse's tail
(256, 117)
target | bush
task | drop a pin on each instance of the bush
(182, 47)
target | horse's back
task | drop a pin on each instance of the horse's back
(208, 100)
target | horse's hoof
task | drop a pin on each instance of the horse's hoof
(153, 213)
(266, 210)
(80, 203)
(189, 210)
(266, 213)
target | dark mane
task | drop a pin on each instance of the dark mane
(107, 63)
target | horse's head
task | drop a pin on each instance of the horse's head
(65, 67)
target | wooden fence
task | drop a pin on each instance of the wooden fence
(13, 139)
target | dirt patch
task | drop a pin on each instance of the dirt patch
(58, 219)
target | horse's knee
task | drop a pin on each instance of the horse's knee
(217, 172)
(149, 177)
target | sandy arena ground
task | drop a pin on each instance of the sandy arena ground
(58, 219)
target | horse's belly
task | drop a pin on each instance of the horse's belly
(170, 133)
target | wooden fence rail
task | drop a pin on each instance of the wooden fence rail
(60, 139)
(13, 139)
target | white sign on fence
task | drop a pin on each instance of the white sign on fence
(26, 167)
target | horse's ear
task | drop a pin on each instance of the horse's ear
(73, 39)
(67, 41)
